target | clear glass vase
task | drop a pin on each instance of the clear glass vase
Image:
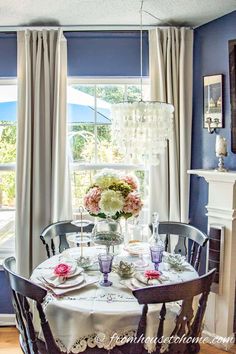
(108, 232)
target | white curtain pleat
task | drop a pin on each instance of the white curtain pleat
(43, 191)
(170, 67)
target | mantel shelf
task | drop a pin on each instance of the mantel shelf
(213, 175)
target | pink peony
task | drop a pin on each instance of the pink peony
(152, 274)
(133, 203)
(62, 270)
(131, 182)
(92, 199)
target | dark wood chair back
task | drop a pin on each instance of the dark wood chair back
(185, 232)
(60, 229)
(22, 290)
(187, 323)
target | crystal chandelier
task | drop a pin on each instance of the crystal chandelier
(141, 129)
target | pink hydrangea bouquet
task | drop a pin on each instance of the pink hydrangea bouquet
(113, 195)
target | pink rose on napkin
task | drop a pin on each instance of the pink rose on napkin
(152, 274)
(62, 270)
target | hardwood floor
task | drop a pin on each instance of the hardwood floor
(9, 343)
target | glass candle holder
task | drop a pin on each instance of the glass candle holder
(156, 255)
(105, 265)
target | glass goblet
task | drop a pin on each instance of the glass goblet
(105, 265)
(156, 255)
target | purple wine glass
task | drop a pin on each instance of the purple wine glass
(156, 255)
(105, 264)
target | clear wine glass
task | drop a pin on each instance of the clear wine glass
(105, 265)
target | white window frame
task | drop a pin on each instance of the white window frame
(77, 166)
(76, 80)
(6, 167)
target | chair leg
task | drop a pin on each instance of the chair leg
(193, 348)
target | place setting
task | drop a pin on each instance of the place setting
(65, 277)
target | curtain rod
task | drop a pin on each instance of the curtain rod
(87, 28)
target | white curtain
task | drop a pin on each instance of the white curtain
(171, 67)
(42, 177)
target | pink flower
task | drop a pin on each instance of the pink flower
(92, 199)
(131, 182)
(152, 274)
(62, 270)
(133, 203)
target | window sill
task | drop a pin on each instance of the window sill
(99, 166)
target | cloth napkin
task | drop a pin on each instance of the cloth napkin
(61, 292)
(142, 279)
(139, 280)
(54, 281)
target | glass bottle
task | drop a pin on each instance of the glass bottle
(156, 242)
(157, 246)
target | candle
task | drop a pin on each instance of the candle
(221, 146)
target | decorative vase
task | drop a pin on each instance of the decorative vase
(108, 232)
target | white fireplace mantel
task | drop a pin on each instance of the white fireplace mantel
(221, 210)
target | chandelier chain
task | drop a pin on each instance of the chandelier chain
(141, 49)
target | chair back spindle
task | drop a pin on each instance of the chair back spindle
(58, 231)
(184, 232)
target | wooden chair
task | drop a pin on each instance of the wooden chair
(186, 322)
(60, 229)
(185, 232)
(22, 290)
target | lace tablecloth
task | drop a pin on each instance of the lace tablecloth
(97, 316)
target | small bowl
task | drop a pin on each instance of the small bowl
(85, 262)
(124, 269)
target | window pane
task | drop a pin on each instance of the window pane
(8, 103)
(81, 119)
(106, 151)
(80, 182)
(134, 92)
(7, 211)
(7, 142)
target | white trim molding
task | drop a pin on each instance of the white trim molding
(7, 320)
(221, 210)
(224, 343)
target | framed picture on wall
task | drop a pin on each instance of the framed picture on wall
(232, 77)
(213, 102)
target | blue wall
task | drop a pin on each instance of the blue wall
(89, 53)
(8, 57)
(210, 57)
(5, 295)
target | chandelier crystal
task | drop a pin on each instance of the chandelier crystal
(140, 130)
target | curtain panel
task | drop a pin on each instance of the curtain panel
(171, 70)
(42, 176)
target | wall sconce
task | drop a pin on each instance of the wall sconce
(212, 124)
(213, 102)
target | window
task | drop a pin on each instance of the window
(8, 102)
(89, 120)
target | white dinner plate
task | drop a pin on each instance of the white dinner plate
(70, 282)
(137, 248)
